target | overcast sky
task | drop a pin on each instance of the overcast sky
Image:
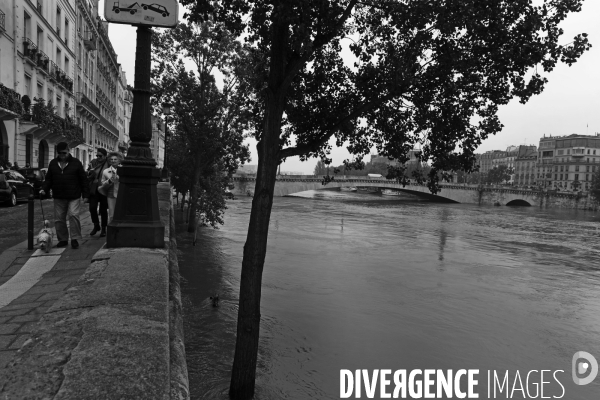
(569, 104)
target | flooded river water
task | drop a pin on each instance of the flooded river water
(359, 281)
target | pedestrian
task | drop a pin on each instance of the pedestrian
(97, 199)
(110, 182)
(15, 166)
(68, 182)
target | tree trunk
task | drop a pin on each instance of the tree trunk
(248, 324)
(193, 200)
(243, 373)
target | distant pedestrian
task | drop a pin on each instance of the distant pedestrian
(110, 182)
(97, 199)
(15, 166)
(68, 182)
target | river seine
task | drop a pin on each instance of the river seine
(361, 281)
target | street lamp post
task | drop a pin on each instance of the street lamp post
(166, 109)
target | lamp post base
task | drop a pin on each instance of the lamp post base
(136, 221)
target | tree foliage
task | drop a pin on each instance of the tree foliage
(423, 73)
(595, 185)
(208, 121)
(499, 174)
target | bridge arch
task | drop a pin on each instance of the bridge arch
(519, 203)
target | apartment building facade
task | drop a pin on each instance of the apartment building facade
(569, 161)
(525, 166)
(37, 59)
(58, 81)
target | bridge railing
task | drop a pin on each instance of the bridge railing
(357, 180)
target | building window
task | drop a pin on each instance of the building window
(576, 177)
(555, 177)
(67, 32)
(587, 177)
(587, 168)
(561, 177)
(561, 168)
(58, 20)
(588, 151)
(577, 168)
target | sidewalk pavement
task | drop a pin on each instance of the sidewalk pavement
(30, 282)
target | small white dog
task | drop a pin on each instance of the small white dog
(45, 237)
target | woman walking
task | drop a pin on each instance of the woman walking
(110, 182)
(97, 199)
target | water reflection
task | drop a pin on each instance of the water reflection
(364, 281)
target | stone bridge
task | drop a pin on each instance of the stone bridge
(454, 193)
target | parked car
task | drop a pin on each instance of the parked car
(35, 176)
(14, 187)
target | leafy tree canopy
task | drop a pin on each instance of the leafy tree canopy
(425, 72)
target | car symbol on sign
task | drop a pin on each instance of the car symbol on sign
(156, 8)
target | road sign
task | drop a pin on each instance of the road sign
(144, 12)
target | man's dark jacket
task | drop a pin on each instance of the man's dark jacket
(70, 183)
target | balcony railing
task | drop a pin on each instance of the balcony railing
(43, 62)
(108, 126)
(30, 50)
(89, 41)
(2, 21)
(83, 100)
(10, 100)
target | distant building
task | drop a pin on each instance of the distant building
(157, 144)
(570, 160)
(377, 159)
(525, 166)
(489, 159)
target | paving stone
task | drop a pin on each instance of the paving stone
(77, 264)
(51, 296)
(21, 260)
(20, 306)
(5, 357)
(67, 272)
(26, 298)
(70, 278)
(13, 269)
(16, 345)
(48, 280)
(5, 329)
(28, 327)
(76, 256)
(6, 340)
(47, 288)
(4, 320)
(24, 318)
(13, 313)
(40, 310)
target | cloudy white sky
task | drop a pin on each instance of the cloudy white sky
(569, 104)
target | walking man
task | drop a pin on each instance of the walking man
(66, 177)
(97, 198)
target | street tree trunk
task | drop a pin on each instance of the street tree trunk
(194, 200)
(243, 373)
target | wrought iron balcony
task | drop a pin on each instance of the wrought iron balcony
(43, 62)
(89, 41)
(10, 100)
(84, 101)
(109, 126)
(30, 50)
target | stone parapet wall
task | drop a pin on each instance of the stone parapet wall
(116, 334)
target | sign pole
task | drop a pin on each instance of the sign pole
(136, 221)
